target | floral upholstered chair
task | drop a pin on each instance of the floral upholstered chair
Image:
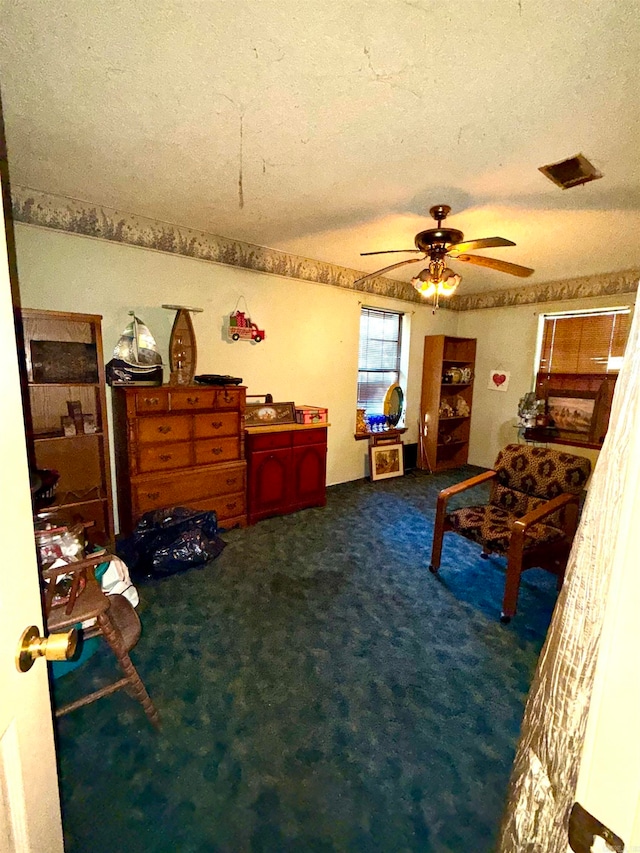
(531, 517)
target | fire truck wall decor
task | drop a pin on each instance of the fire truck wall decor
(242, 329)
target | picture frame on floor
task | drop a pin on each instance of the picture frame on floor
(386, 460)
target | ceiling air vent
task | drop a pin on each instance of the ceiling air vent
(571, 172)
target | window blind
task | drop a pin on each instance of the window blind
(379, 356)
(584, 343)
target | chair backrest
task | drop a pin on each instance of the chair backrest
(527, 476)
(75, 574)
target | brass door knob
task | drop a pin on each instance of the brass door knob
(54, 647)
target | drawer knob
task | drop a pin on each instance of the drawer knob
(153, 495)
(216, 450)
(151, 401)
(216, 424)
(231, 480)
(165, 457)
(164, 429)
(231, 506)
(193, 400)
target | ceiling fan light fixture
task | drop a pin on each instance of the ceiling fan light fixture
(439, 243)
(436, 281)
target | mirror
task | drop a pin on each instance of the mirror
(393, 404)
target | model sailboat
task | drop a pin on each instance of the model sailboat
(136, 360)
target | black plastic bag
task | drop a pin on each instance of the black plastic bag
(191, 548)
(171, 540)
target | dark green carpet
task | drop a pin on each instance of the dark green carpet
(319, 690)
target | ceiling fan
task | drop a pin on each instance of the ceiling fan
(439, 243)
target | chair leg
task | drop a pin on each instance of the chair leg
(511, 590)
(114, 640)
(438, 534)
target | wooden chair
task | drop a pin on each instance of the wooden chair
(116, 621)
(531, 516)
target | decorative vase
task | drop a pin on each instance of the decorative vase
(361, 423)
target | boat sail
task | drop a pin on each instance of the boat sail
(136, 360)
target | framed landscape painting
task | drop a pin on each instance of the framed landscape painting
(571, 411)
(385, 460)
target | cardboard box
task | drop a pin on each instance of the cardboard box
(311, 415)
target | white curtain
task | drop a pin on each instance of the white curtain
(545, 770)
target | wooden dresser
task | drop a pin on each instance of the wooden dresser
(180, 445)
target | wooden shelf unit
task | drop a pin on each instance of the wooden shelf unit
(446, 443)
(83, 491)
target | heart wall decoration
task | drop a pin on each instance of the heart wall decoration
(499, 379)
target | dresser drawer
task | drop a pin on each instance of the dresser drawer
(229, 398)
(231, 478)
(215, 424)
(192, 399)
(151, 401)
(186, 487)
(226, 507)
(167, 428)
(269, 440)
(216, 450)
(310, 436)
(164, 457)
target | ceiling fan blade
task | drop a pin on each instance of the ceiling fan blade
(389, 251)
(386, 269)
(500, 266)
(483, 243)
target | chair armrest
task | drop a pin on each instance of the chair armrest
(447, 493)
(543, 511)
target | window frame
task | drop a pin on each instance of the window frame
(394, 371)
(598, 385)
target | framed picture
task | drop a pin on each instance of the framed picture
(64, 361)
(385, 460)
(68, 425)
(89, 424)
(499, 379)
(268, 414)
(571, 411)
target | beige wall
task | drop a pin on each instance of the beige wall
(507, 340)
(310, 354)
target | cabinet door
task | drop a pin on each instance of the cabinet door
(309, 475)
(269, 483)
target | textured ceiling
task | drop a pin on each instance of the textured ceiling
(329, 128)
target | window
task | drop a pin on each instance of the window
(580, 355)
(584, 343)
(379, 356)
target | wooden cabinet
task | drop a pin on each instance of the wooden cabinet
(287, 470)
(180, 446)
(65, 374)
(447, 391)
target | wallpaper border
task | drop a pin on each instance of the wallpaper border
(46, 210)
(603, 284)
(34, 207)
